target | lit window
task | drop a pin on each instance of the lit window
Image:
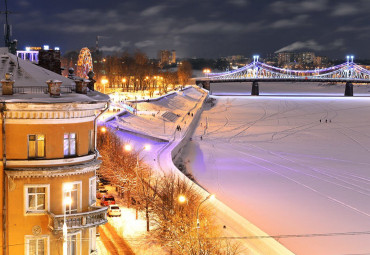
(36, 198)
(37, 245)
(74, 193)
(69, 144)
(36, 146)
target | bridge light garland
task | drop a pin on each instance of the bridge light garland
(259, 70)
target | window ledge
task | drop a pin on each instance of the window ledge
(36, 213)
(49, 162)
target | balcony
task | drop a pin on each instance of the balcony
(95, 217)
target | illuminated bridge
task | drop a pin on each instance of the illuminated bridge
(348, 73)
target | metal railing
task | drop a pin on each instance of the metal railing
(42, 89)
(95, 217)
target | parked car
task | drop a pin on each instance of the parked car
(100, 185)
(107, 200)
(113, 210)
(101, 192)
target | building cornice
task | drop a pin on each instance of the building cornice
(22, 113)
(43, 172)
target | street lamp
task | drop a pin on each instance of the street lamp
(128, 147)
(104, 82)
(66, 201)
(210, 196)
(206, 71)
(182, 199)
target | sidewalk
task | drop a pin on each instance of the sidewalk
(125, 235)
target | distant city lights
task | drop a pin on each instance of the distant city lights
(46, 47)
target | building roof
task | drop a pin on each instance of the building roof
(30, 83)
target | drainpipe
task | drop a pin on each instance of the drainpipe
(2, 110)
(96, 130)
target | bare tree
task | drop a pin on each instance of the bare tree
(148, 184)
(184, 72)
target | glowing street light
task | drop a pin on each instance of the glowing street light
(104, 82)
(103, 129)
(128, 147)
(182, 199)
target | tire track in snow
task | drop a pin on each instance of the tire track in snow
(304, 185)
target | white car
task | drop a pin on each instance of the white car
(113, 210)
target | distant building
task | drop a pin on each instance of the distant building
(285, 58)
(44, 57)
(173, 57)
(321, 61)
(305, 57)
(166, 57)
(300, 59)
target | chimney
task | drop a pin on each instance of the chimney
(7, 84)
(54, 87)
(81, 86)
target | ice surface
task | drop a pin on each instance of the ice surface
(273, 161)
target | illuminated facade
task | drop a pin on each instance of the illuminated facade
(48, 157)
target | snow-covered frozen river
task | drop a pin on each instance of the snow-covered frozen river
(290, 165)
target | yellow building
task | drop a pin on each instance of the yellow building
(48, 162)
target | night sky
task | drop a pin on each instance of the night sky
(196, 28)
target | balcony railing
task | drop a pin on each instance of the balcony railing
(95, 217)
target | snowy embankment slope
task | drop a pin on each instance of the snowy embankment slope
(191, 101)
(274, 162)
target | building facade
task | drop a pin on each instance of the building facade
(48, 164)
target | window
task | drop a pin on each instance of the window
(36, 146)
(92, 239)
(74, 192)
(91, 141)
(92, 190)
(74, 244)
(37, 198)
(37, 245)
(69, 144)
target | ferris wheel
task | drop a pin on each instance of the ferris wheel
(84, 63)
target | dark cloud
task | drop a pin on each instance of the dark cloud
(206, 28)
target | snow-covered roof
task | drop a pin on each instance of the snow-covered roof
(30, 80)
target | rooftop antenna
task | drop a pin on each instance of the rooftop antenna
(7, 27)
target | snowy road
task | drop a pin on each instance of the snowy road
(273, 161)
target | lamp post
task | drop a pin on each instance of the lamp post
(128, 147)
(66, 201)
(206, 71)
(210, 196)
(104, 82)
